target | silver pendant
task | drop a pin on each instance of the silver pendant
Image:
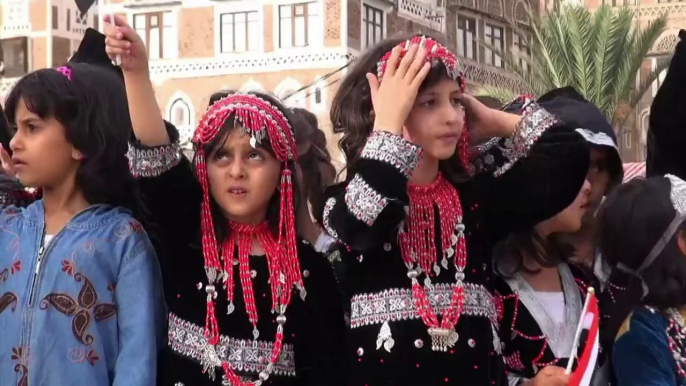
(442, 338)
(437, 269)
(230, 309)
(253, 142)
(427, 282)
(210, 361)
(444, 263)
(255, 333)
(385, 338)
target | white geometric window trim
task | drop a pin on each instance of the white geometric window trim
(181, 113)
(251, 85)
(645, 126)
(167, 29)
(288, 92)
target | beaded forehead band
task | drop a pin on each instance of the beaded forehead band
(677, 196)
(258, 117)
(435, 51)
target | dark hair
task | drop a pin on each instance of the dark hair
(632, 220)
(511, 253)
(351, 109)
(93, 109)
(316, 158)
(220, 223)
(5, 132)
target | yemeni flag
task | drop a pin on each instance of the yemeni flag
(586, 365)
(84, 5)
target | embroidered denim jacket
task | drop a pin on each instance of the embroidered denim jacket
(88, 309)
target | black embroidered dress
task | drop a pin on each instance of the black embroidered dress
(387, 342)
(530, 337)
(313, 333)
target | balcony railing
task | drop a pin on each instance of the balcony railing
(424, 12)
(481, 74)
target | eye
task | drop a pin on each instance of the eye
(427, 103)
(220, 155)
(457, 102)
(254, 155)
(31, 127)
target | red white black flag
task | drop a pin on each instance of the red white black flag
(586, 364)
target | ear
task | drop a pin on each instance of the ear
(76, 155)
(681, 241)
(406, 134)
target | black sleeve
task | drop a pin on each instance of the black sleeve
(366, 210)
(529, 185)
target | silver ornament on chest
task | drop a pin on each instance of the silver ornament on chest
(443, 338)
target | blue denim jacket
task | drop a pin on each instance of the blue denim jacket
(88, 309)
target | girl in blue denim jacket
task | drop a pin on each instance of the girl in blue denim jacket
(81, 299)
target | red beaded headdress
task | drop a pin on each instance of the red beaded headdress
(260, 119)
(435, 51)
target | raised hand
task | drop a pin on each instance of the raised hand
(122, 40)
(550, 376)
(394, 96)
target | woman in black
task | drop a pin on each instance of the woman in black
(418, 232)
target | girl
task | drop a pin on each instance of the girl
(80, 288)
(249, 304)
(318, 173)
(541, 295)
(419, 278)
(643, 236)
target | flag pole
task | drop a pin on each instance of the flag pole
(575, 346)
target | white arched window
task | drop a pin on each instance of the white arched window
(290, 93)
(180, 114)
(252, 85)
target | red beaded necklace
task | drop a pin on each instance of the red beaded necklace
(260, 119)
(418, 249)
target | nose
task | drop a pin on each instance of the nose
(586, 188)
(452, 114)
(16, 143)
(236, 169)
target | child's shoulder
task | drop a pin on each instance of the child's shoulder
(645, 322)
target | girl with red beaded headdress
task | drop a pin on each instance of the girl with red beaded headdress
(249, 304)
(417, 229)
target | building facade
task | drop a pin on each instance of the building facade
(632, 138)
(295, 49)
(37, 34)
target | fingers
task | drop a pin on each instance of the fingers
(406, 61)
(373, 85)
(117, 47)
(421, 75)
(392, 64)
(417, 64)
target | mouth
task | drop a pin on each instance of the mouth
(449, 137)
(17, 162)
(237, 191)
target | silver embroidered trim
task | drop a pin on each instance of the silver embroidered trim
(677, 194)
(535, 121)
(560, 337)
(245, 355)
(396, 304)
(152, 162)
(363, 201)
(393, 150)
(328, 207)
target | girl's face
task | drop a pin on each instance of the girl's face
(436, 121)
(242, 178)
(570, 219)
(41, 154)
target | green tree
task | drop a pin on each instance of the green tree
(600, 54)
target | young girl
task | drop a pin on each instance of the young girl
(318, 173)
(248, 303)
(643, 237)
(419, 276)
(541, 295)
(80, 288)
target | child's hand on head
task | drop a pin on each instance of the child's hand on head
(122, 40)
(393, 97)
(6, 164)
(484, 122)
